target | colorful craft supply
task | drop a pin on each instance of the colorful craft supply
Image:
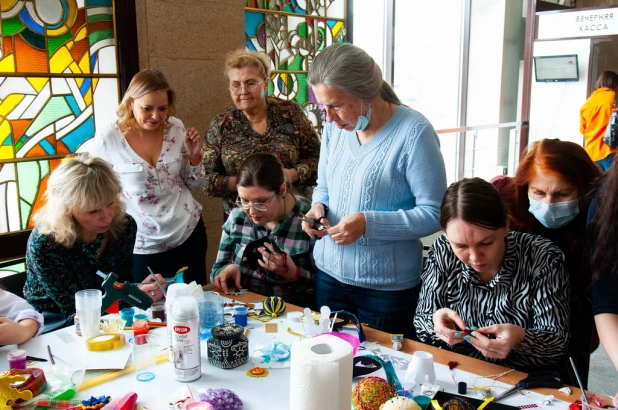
(17, 359)
(528, 406)
(35, 383)
(391, 375)
(127, 315)
(127, 401)
(240, 315)
(95, 403)
(221, 399)
(257, 372)
(422, 401)
(370, 393)
(274, 306)
(458, 403)
(200, 405)
(400, 403)
(397, 341)
(104, 343)
(140, 327)
(10, 393)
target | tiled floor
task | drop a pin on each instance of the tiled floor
(603, 377)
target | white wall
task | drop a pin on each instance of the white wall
(554, 107)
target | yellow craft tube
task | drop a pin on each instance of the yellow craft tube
(86, 384)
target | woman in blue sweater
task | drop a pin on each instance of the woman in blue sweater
(381, 179)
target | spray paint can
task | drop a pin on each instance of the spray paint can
(186, 339)
(174, 291)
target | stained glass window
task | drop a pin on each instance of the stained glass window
(292, 33)
(58, 83)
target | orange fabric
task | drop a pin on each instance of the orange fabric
(594, 116)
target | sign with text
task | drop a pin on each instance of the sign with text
(589, 23)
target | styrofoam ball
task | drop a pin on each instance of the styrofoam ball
(370, 393)
(400, 403)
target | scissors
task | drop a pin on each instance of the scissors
(314, 222)
(540, 379)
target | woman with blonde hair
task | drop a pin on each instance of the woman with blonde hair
(158, 162)
(81, 228)
(257, 123)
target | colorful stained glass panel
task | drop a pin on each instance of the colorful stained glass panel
(323, 8)
(57, 36)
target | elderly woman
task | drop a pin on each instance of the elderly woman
(158, 162)
(81, 228)
(547, 197)
(603, 235)
(257, 123)
(380, 181)
(267, 224)
(594, 116)
(492, 293)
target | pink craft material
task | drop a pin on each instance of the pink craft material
(199, 405)
(351, 339)
(126, 402)
(528, 406)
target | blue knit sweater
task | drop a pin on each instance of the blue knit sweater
(398, 180)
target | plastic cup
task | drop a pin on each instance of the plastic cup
(240, 315)
(144, 349)
(88, 307)
(211, 312)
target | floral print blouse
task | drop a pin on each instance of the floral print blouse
(159, 198)
(230, 139)
(55, 273)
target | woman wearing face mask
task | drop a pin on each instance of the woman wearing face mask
(546, 197)
(489, 292)
(381, 178)
(266, 221)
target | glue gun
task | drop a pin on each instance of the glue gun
(114, 290)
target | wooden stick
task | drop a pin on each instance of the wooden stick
(105, 377)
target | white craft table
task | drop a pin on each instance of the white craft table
(273, 391)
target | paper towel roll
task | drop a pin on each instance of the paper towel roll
(321, 374)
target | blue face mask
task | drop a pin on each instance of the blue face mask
(556, 215)
(363, 120)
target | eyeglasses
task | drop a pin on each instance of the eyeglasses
(249, 87)
(258, 206)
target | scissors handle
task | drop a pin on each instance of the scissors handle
(542, 381)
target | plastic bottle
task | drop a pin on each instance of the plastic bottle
(186, 339)
(173, 291)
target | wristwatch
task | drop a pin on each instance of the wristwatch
(325, 210)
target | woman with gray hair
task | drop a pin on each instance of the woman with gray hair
(381, 178)
(81, 228)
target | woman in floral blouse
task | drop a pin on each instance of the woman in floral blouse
(267, 222)
(158, 162)
(257, 124)
(81, 228)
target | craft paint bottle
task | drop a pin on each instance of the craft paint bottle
(17, 359)
(173, 291)
(186, 339)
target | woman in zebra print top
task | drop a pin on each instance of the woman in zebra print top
(491, 293)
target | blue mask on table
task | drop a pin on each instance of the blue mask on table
(556, 215)
(363, 120)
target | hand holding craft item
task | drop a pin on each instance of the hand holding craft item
(421, 368)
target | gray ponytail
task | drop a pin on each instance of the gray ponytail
(348, 68)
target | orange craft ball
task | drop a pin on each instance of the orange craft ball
(370, 393)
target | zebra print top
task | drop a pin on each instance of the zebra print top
(531, 290)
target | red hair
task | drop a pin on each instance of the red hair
(562, 159)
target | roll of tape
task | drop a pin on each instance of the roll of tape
(105, 342)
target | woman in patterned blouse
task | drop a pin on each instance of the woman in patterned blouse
(491, 293)
(159, 162)
(81, 228)
(257, 123)
(267, 210)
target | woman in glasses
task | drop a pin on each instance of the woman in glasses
(257, 123)
(159, 162)
(263, 247)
